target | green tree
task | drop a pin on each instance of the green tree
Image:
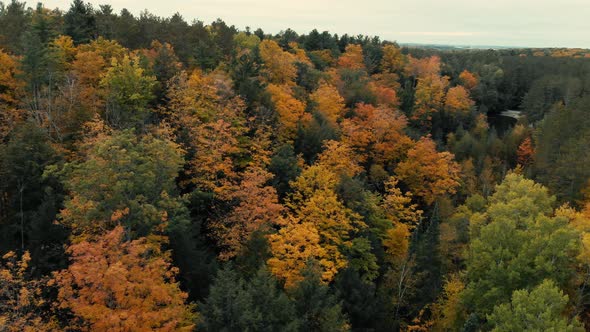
(541, 309)
(516, 244)
(236, 304)
(80, 22)
(129, 92)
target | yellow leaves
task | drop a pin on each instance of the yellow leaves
(279, 66)
(21, 296)
(339, 158)
(397, 243)
(429, 97)
(329, 102)
(292, 247)
(393, 60)
(458, 102)
(398, 206)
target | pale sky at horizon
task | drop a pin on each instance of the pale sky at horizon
(527, 23)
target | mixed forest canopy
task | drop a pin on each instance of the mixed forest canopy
(166, 175)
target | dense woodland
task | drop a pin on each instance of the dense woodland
(158, 174)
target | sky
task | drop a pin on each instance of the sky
(526, 23)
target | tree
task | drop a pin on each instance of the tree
(125, 179)
(429, 174)
(22, 306)
(329, 103)
(457, 103)
(352, 58)
(468, 80)
(317, 309)
(80, 22)
(113, 284)
(541, 309)
(11, 92)
(526, 153)
(393, 60)
(279, 66)
(377, 134)
(516, 244)
(290, 111)
(257, 209)
(398, 207)
(429, 98)
(129, 92)
(209, 126)
(236, 304)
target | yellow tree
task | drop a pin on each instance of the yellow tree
(329, 103)
(393, 60)
(458, 103)
(11, 90)
(428, 173)
(115, 285)
(429, 98)
(279, 66)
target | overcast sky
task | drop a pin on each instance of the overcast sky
(532, 23)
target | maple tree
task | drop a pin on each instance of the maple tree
(129, 91)
(429, 174)
(377, 133)
(118, 285)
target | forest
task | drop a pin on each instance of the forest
(164, 175)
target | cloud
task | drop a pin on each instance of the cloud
(438, 33)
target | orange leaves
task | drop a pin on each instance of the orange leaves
(209, 127)
(422, 68)
(290, 110)
(468, 80)
(257, 209)
(429, 174)
(377, 133)
(114, 285)
(11, 90)
(526, 152)
(352, 58)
